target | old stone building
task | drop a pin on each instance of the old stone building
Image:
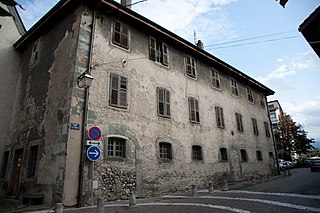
(171, 114)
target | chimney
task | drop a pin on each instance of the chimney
(200, 44)
(126, 3)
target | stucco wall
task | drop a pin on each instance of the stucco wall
(141, 120)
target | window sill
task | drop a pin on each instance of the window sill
(119, 159)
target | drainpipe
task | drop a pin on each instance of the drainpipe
(85, 116)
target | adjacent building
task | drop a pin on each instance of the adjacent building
(171, 114)
(310, 30)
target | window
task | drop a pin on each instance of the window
(33, 161)
(158, 51)
(116, 147)
(165, 151)
(219, 117)
(266, 127)
(273, 115)
(244, 155)
(5, 162)
(255, 126)
(215, 79)
(190, 66)
(118, 91)
(259, 156)
(250, 95)
(223, 154)
(163, 102)
(35, 54)
(239, 122)
(234, 87)
(120, 34)
(271, 155)
(271, 106)
(196, 153)
(262, 103)
(194, 110)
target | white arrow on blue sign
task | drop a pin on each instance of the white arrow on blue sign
(93, 153)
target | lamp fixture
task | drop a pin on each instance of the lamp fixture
(84, 80)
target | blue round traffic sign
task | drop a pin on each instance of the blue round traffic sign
(94, 133)
(93, 153)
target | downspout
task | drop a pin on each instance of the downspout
(85, 116)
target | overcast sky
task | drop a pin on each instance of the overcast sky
(268, 45)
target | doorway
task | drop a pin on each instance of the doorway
(16, 173)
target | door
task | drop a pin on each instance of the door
(16, 173)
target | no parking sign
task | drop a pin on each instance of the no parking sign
(94, 133)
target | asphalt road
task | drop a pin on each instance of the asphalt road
(285, 194)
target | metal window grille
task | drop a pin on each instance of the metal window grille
(196, 153)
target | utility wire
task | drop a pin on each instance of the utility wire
(251, 38)
(256, 42)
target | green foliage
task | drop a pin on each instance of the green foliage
(291, 137)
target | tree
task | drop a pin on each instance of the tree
(291, 138)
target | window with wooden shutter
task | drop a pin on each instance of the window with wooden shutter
(267, 130)
(120, 34)
(239, 122)
(158, 51)
(194, 110)
(163, 102)
(234, 87)
(35, 54)
(118, 91)
(250, 95)
(219, 117)
(215, 79)
(255, 126)
(190, 66)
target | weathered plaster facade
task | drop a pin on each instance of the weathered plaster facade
(52, 113)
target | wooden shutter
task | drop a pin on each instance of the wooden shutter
(123, 92)
(161, 101)
(167, 106)
(114, 89)
(152, 54)
(165, 57)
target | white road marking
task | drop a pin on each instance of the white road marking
(184, 204)
(277, 194)
(275, 203)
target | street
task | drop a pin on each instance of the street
(297, 193)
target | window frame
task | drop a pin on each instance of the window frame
(119, 91)
(191, 70)
(197, 153)
(35, 52)
(219, 117)
(250, 95)
(267, 129)
(117, 141)
(216, 79)
(234, 88)
(166, 102)
(244, 155)
(255, 126)
(259, 155)
(192, 101)
(262, 101)
(239, 122)
(121, 34)
(158, 51)
(223, 154)
(32, 164)
(165, 156)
